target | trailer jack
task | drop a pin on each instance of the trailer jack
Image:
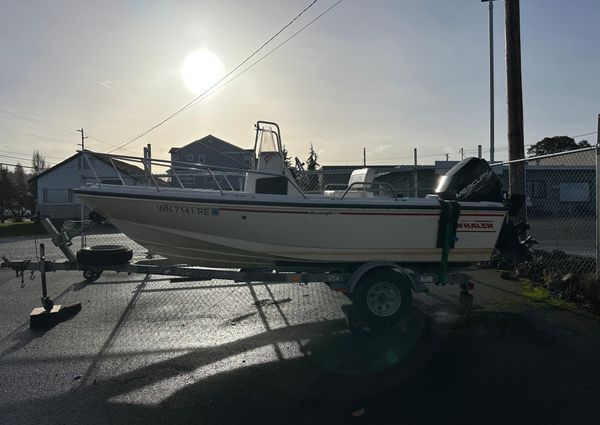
(49, 314)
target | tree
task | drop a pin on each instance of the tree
(286, 157)
(21, 195)
(287, 161)
(311, 161)
(38, 162)
(312, 165)
(6, 192)
(550, 145)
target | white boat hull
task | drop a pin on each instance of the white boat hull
(243, 230)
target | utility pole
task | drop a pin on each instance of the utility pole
(416, 176)
(83, 137)
(516, 145)
(479, 155)
(462, 154)
(491, 36)
(148, 161)
(365, 157)
(447, 157)
(82, 166)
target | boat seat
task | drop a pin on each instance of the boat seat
(363, 175)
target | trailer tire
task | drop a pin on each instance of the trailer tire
(91, 275)
(383, 296)
(104, 255)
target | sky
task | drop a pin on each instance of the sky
(385, 75)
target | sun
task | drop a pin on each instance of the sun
(200, 70)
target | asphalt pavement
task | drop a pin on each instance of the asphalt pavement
(149, 351)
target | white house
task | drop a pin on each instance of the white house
(55, 197)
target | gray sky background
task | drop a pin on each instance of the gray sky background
(386, 75)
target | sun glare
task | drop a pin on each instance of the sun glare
(200, 70)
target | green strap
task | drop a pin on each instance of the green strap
(447, 235)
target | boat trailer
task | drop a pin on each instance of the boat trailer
(381, 291)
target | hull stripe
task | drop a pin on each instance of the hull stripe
(251, 202)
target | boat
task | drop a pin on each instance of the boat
(274, 224)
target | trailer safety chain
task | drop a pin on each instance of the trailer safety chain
(20, 272)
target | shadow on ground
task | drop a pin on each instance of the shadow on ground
(486, 367)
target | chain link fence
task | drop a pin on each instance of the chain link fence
(560, 207)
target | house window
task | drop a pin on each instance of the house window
(201, 158)
(190, 157)
(536, 189)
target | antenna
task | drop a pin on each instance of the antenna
(83, 137)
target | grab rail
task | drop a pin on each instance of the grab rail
(173, 166)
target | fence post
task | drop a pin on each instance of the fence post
(598, 202)
(416, 176)
(81, 224)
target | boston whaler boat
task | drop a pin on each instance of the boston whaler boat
(272, 224)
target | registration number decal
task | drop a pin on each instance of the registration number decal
(176, 209)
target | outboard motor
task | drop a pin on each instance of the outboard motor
(473, 180)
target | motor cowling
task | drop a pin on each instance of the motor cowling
(471, 180)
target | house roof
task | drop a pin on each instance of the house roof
(123, 167)
(209, 140)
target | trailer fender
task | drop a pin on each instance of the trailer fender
(367, 267)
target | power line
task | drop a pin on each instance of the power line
(197, 98)
(24, 157)
(586, 134)
(38, 121)
(214, 90)
(36, 135)
(15, 165)
(55, 126)
(110, 144)
(14, 157)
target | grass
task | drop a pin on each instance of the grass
(25, 228)
(540, 294)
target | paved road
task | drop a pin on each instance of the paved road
(156, 352)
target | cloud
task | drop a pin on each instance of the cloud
(381, 148)
(106, 84)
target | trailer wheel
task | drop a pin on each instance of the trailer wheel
(91, 276)
(383, 297)
(104, 255)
